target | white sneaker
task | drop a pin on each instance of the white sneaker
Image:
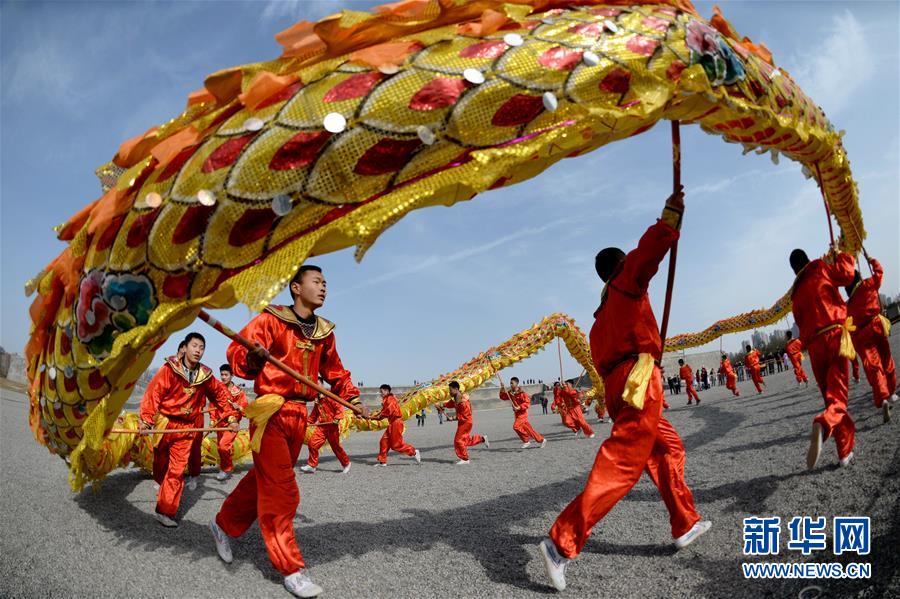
(156, 486)
(166, 521)
(347, 468)
(222, 475)
(487, 443)
(462, 462)
(308, 469)
(299, 585)
(845, 461)
(591, 436)
(886, 411)
(554, 563)
(380, 464)
(223, 544)
(526, 444)
(192, 483)
(815, 446)
(895, 398)
(417, 457)
(690, 536)
(544, 443)
(577, 433)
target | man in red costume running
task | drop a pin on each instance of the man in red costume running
(463, 440)
(225, 439)
(687, 375)
(560, 406)
(727, 371)
(794, 349)
(268, 493)
(326, 417)
(393, 436)
(520, 403)
(821, 315)
(626, 348)
(871, 337)
(574, 411)
(177, 392)
(751, 362)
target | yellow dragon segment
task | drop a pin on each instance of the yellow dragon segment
(365, 117)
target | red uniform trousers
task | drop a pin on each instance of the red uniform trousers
(797, 363)
(463, 440)
(691, 392)
(330, 433)
(757, 378)
(731, 384)
(830, 371)
(225, 443)
(522, 427)
(195, 462)
(393, 439)
(170, 457)
(640, 440)
(268, 492)
(855, 363)
(875, 352)
(579, 423)
(566, 419)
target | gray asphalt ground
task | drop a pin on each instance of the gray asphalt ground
(440, 530)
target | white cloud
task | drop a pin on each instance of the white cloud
(432, 261)
(833, 71)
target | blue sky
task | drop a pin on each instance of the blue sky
(78, 78)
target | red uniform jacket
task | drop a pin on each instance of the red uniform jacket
(751, 361)
(863, 304)
(463, 409)
(278, 329)
(520, 400)
(624, 324)
(686, 374)
(171, 394)
(390, 408)
(794, 349)
(817, 302)
(558, 403)
(570, 398)
(726, 368)
(238, 401)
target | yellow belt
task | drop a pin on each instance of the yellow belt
(847, 350)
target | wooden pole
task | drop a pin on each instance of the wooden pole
(673, 254)
(559, 353)
(166, 431)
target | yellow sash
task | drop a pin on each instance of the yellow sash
(847, 349)
(638, 379)
(160, 423)
(885, 325)
(259, 413)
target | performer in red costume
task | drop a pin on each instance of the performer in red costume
(626, 348)
(177, 392)
(560, 406)
(794, 349)
(821, 315)
(393, 436)
(730, 378)
(326, 416)
(871, 337)
(225, 439)
(687, 375)
(751, 362)
(463, 440)
(268, 492)
(573, 409)
(520, 403)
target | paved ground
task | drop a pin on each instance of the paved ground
(438, 530)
